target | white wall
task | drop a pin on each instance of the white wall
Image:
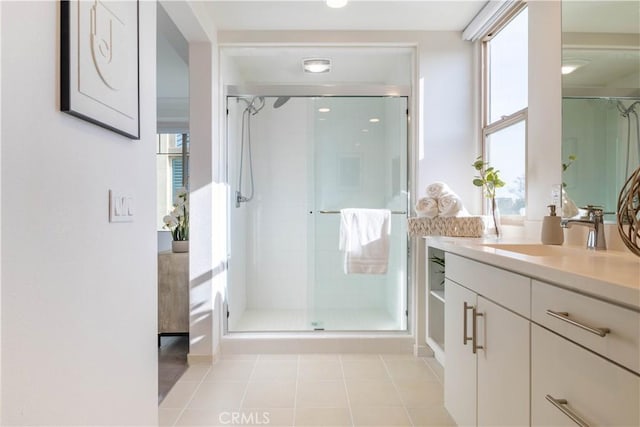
(277, 217)
(449, 117)
(1, 216)
(544, 133)
(78, 293)
(206, 271)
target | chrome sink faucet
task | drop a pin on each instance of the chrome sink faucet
(595, 222)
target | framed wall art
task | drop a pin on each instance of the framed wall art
(99, 62)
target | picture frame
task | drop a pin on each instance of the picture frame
(99, 62)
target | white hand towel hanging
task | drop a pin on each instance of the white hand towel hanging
(364, 238)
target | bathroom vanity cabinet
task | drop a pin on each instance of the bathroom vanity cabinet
(487, 369)
(570, 383)
(546, 352)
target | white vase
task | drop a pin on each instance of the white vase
(180, 246)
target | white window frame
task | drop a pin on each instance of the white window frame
(489, 128)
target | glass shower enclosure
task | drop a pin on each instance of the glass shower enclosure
(293, 163)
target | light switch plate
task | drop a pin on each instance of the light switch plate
(121, 208)
(556, 195)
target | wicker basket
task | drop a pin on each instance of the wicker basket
(629, 213)
(468, 226)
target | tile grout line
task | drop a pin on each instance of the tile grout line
(295, 394)
(346, 390)
(246, 387)
(186, 405)
(395, 387)
(433, 371)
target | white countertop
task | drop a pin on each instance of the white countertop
(610, 275)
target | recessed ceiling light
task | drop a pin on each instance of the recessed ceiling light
(316, 65)
(324, 110)
(336, 4)
(374, 120)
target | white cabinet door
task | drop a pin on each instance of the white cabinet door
(590, 387)
(503, 366)
(460, 368)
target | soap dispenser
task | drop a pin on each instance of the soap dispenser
(552, 233)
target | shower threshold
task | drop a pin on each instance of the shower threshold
(318, 342)
(278, 320)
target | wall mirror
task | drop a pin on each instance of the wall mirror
(600, 100)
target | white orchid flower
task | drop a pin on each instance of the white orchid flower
(178, 211)
(170, 221)
(181, 195)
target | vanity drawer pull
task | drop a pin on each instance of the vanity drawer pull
(474, 334)
(564, 316)
(561, 404)
(464, 322)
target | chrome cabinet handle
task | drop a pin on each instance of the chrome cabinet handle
(564, 316)
(561, 404)
(474, 335)
(465, 338)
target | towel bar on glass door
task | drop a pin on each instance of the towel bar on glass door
(337, 212)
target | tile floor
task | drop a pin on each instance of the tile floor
(309, 390)
(172, 362)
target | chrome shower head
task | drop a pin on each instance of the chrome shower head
(280, 101)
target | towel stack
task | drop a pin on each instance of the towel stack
(440, 200)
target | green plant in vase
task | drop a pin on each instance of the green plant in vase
(440, 262)
(565, 166)
(489, 179)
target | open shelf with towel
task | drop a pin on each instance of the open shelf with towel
(435, 301)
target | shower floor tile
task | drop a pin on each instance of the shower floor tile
(328, 319)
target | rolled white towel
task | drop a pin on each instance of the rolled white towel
(450, 205)
(438, 189)
(427, 207)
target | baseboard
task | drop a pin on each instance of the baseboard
(422, 351)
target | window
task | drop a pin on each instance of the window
(172, 165)
(505, 98)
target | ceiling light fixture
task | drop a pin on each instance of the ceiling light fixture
(570, 65)
(374, 120)
(324, 110)
(336, 4)
(316, 65)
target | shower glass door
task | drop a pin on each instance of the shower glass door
(359, 161)
(304, 159)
